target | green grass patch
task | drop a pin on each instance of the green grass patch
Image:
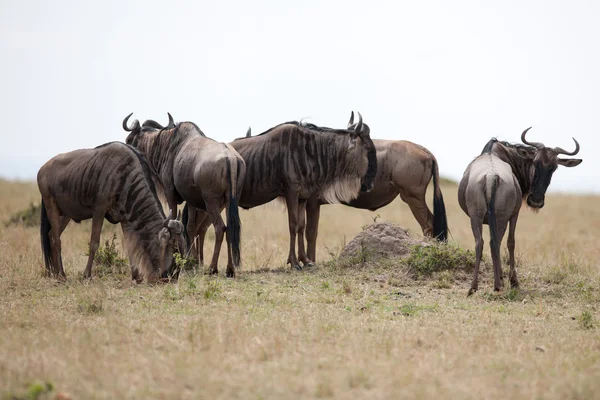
(424, 261)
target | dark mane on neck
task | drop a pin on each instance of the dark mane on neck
(511, 153)
(304, 125)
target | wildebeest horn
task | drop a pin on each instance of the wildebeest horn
(136, 124)
(249, 132)
(351, 122)
(171, 123)
(537, 145)
(359, 124)
(169, 217)
(558, 150)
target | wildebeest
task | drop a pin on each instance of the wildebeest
(298, 161)
(493, 187)
(111, 181)
(207, 174)
(403, 168)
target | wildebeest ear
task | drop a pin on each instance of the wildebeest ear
(249, 132)
(569, 162)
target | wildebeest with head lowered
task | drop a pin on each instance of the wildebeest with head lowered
(495, 184)
(111, 181)
(403, 168)
(207, 174)
(299, 161)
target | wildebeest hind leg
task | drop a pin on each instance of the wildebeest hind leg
(495, 249)
(219, 225)
(421, 212)
(476, 227)
(514, 281)
(56, 252)
(97, 221)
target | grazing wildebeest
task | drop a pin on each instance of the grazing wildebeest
(298, 161)
(111, 181)
(207, 174)
(403, 168)
(495, 184)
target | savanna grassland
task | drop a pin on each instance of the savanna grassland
(375, 330)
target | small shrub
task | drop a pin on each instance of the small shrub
(107, 260)
(184, 263)
(28, 217)
(425, 260)
(212, 290)
(33, 391)
(586, 320)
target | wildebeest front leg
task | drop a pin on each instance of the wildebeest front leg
(291, 200)
(476, 227)
(301, 229)
(514, 281)
(97, 221)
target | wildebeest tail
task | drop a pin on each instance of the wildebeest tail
(440, 223)
(495, 246)
(45, 238)
(233, 216)
(184, 222)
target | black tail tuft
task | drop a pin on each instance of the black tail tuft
(45, 239)
(495, 246)
(440, 223)
(233, 221)
(184, 222)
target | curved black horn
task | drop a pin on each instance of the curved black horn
(169, 217)
(351, 121)
(136, 124)
(359, 124)
(558, 150)
(171, 123)
(249, 132)
(537, 145)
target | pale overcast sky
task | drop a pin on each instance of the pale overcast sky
(448, 75)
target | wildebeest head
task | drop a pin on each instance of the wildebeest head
(152, 124)
(544, 162)
(170, 237)
(362, 141)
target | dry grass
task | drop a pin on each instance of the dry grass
(327, 332)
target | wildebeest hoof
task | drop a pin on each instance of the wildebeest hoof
(230, 273)
(471, 291)
(298, 267)
(514, 284)
(308, 264)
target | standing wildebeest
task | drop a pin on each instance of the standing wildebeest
(299, 161)
(111, 181)
(207, 174)
(403, 168)
(495, 184)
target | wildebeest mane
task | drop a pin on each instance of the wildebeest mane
(516, 146)
(300, 124)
